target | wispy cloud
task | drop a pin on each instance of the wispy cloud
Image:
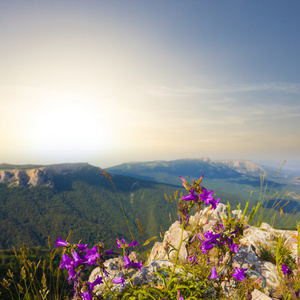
(164, 91)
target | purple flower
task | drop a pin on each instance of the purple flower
(77, 259)
(98, 280)
(187, 217)
(120, 243)
(286, 270)
(91, 256)
(214, 203)
(105, 272)
(82, 247)
(234, 248)
(210, 242)
(72, 273)
(191, 196)
(87, 295)
(109, 252)
(137, 265)
(119, 280)
(214, 273)
(212, 237)
(60, 242)
(180, 298)
(239, 274)
(180, 219)
(209, 199)
(66, 262)
(133, 244)
(193, 259)
(205, 196)
(206, 246)
(219, 226)
(128, 263)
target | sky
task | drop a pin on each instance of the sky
(108, 82)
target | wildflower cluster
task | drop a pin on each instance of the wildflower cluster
(78, 257)
(292, 281)
(223, 238)
(187, 202)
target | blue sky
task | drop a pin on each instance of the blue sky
(108, 82)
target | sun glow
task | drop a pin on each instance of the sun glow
(66, 125)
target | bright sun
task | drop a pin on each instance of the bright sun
(66, 125)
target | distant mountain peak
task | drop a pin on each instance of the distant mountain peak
(242, 166)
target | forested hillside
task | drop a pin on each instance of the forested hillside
(85, 203)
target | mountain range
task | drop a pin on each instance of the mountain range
(37, 201)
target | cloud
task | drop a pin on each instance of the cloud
(164, 91)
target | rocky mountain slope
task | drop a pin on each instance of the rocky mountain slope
(37, 176)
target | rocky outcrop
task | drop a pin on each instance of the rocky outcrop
(31, 177)
(248, 257)
(38, 176)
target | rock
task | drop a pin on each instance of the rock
(162, 251)
(30, 177)
(38, 176)
(146, 275)
(257, 295)
(255, 237)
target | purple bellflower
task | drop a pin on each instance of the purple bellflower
(206, 195)
(239, 274)
(60, 242)
(128, 263)
(72, 273)
(98, 280)
(122, 242)
(77, 259)
(133, 244)
(137, 265)
(193, 259)
(109, 252)
(286, 270)
(82, 247)
(214, 203)
(87, 295)
(180, 219)
(234, 248)
(69, 264)
(212, 237)
(92, 256)
(209, 242)
(209, 199)
(119, 280)
(214, 273)
(191, 196)
(206, 246)
(66, 262)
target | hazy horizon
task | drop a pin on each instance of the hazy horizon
(108, 82)
(287, 166)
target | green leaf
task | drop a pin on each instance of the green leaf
(229, 211)
(149, 241)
